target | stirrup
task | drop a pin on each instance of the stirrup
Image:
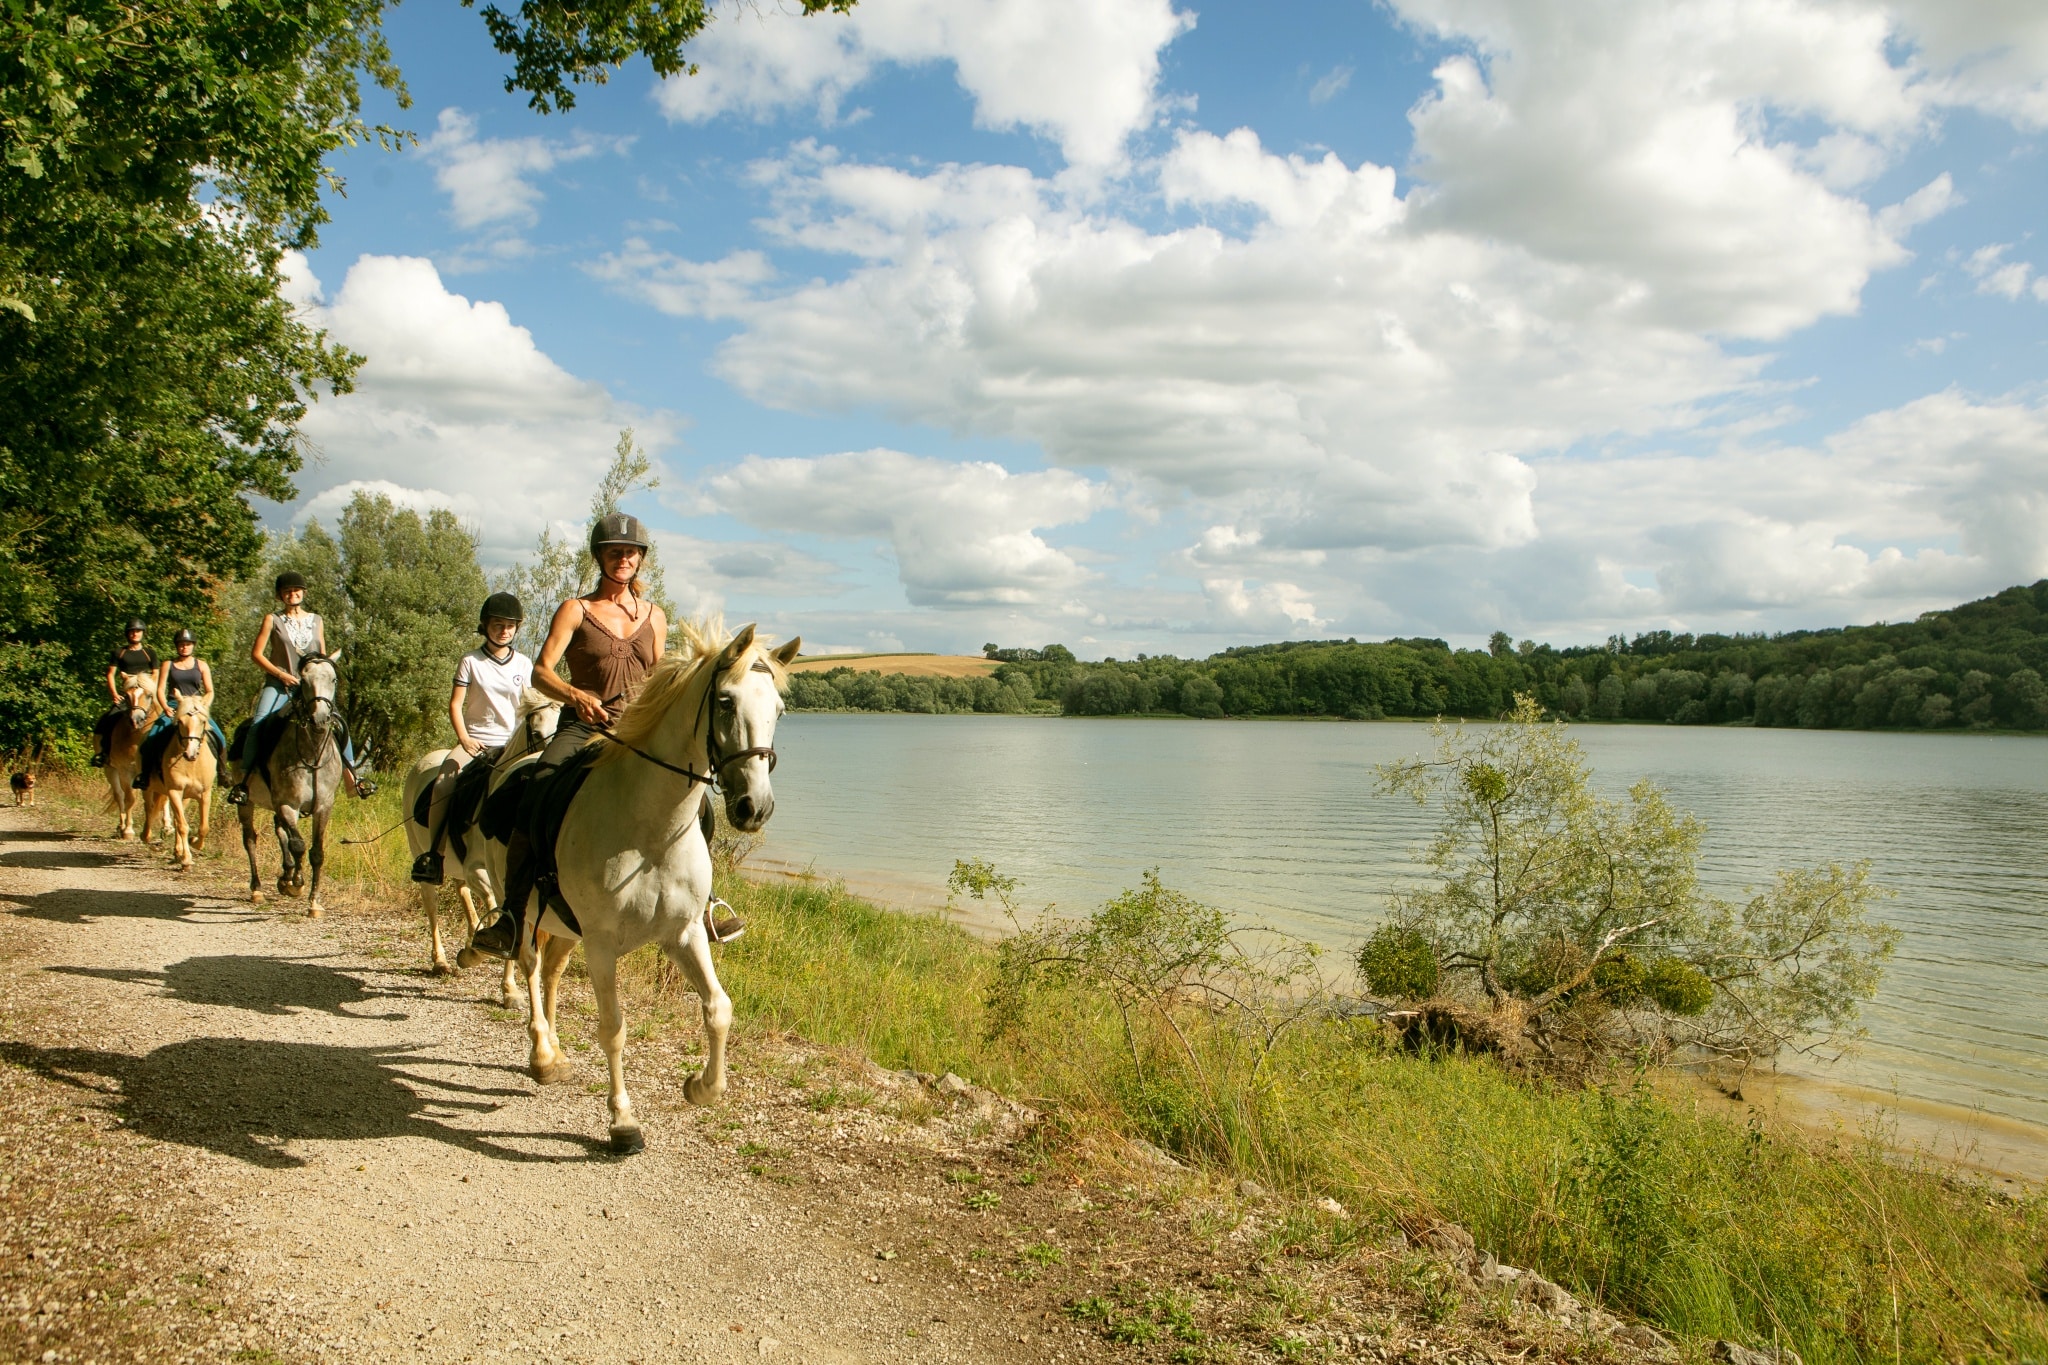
(499, 938)
(722, 928)
(238, 795)
(426, 869)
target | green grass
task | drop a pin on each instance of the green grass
(1642, 1199)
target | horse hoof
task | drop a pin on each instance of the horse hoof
(441, 969)
(314, 912)
(255, 898)
(699, 1091)
(470, 957)
(554, 1073)
(628, 1139)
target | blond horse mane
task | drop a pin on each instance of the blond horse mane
(683, 674)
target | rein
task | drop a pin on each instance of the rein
(717, 765)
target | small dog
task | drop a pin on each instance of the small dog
(24, 785)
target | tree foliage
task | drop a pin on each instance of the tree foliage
(1578, 924)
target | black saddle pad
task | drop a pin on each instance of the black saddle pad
(501, 809)
(153, 751)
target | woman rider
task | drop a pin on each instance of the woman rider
(187, 675)
(134, 657)
(611, 637)
(287, 637)
(483, 707)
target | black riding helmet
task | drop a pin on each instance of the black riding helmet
(184, 637)
(134, 624)
(502, 606)
(617, 528)
(287, 580)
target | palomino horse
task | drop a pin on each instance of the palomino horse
(302, 776)
(186, 772)
(631, 858)
(124, 747)
(535, 726)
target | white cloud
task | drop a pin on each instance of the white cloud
(489, 180)
(1329, 85)
(1985, 54)
(1081, 72)
(1995, 275)
(455, 406)
(962, 535)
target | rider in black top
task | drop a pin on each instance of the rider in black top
(133, 657)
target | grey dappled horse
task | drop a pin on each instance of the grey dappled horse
(302, 777)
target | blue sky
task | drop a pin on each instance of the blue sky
(1143, 326)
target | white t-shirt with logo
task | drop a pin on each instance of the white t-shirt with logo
(490, 707)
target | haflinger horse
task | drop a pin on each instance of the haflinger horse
(302, 777)
(631, 859)
(186, 772)
(124, 747)
(481, 873)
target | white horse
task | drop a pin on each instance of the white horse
(631, 859)
(482, 873)
(302, 776)
(186, 772)
(124, 748)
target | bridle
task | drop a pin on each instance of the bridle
(716, 763)
(304, 700)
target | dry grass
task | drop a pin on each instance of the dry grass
(909, 665)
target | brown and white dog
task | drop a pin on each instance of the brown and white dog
(24, 785)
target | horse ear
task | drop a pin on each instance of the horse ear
(335, 657)
(786, 655)
(738, 645)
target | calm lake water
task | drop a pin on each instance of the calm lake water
(1281, 824)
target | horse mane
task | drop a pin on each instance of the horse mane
(698, 646)
(195, 703)
(530, 701)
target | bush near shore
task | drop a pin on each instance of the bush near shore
(1650, 1198)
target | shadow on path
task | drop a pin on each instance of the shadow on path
(54, 859)
(31, 836)
(76, 905)
(267, 985)
(247, 1099)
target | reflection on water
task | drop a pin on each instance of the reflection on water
(1282, 825)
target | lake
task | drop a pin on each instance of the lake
(1282, 825)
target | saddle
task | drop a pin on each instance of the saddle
(269, 731)
(159, 740)
(543, 805)
(463, 800)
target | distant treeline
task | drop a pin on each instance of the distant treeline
(1977, 666)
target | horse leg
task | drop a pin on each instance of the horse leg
(154, 808)
(693, 955)
(247, 815)
(318, 859)
(205, 800)
(555, 954)
(289, 847)
(119, 782)
(611, 1036)
(184, 832)
(545, 1061)
(437, 955)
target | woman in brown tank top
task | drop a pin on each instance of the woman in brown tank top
(611, 638)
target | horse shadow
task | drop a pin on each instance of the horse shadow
(266, 985)
(57, 860)
(35, 836)
(251, 1099)
(79, 905)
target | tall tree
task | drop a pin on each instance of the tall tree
(157, 159)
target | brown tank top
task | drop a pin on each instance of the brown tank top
(601, 662)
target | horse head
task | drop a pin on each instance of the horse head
(538, 716)
(746, 702)
(319, 682)
(139, 691)
(191, 720)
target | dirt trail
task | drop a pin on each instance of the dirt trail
(375, 1178)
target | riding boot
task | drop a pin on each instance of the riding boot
(427, 870)
(502, 936)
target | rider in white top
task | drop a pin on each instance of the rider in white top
(483, 707)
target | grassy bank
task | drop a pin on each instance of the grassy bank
(1626, 1193)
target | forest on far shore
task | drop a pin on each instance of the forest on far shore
(1976, 666)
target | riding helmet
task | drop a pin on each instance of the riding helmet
(134, 624)
(500, 605)
(617, 528)
(184, 637)
(289, 579)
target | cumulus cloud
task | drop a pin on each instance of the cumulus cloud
(455, 406)
(1081, 72)
(489, 180)
(1996, 275)
(962, 535)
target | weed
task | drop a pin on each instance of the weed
(983, 1200)
(1041, 1254)
(1435, 1286)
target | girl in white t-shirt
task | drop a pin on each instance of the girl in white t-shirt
(483, 707)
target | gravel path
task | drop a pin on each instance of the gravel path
(348, 1157)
